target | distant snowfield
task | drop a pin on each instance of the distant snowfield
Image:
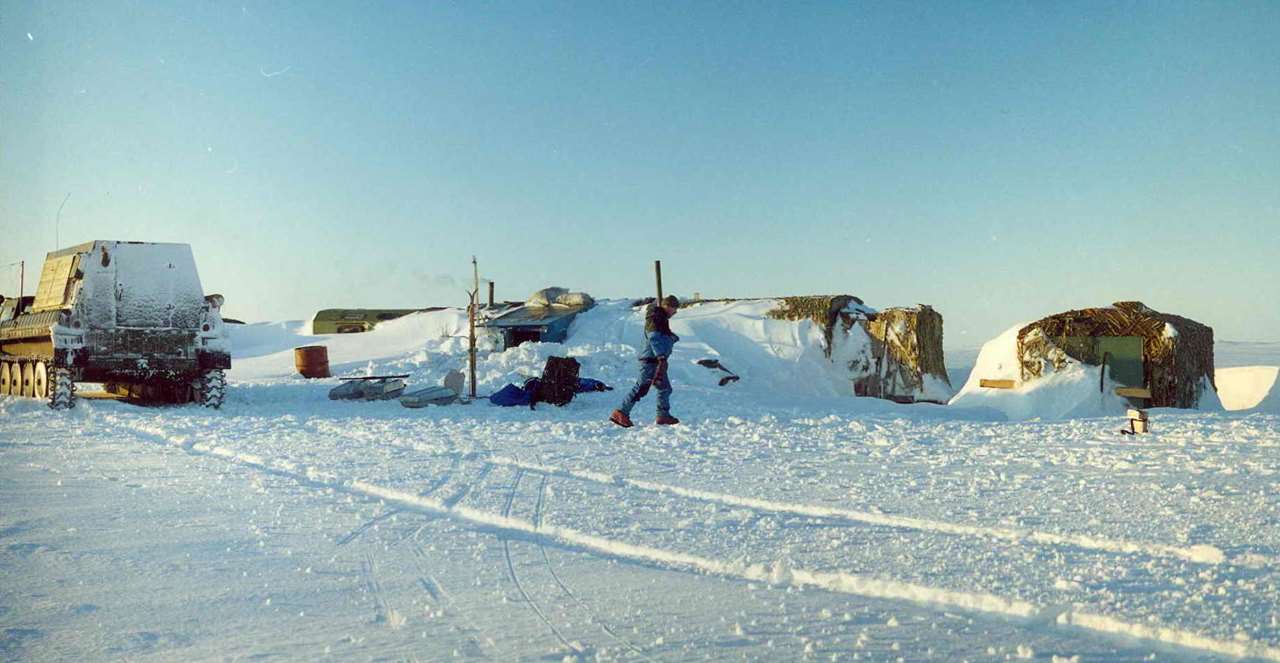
(780, 521)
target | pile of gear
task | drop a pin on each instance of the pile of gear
(558, 385)
(387, 387)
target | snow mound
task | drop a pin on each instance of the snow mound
(1249, 388)
(775, 359)
(265, 350)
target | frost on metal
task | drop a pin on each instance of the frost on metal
(127, 314)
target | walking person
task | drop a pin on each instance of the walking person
(659, 341)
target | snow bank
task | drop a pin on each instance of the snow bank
(775, 359)
(1249, 388)
(771, 356)
(265, 350)
(1068, 393)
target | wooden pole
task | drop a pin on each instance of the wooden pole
(657, 272)
(22, 281)
(491, 294)
(475, 296)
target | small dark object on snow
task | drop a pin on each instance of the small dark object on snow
(559, 381)
(715, 364)
(1138, 422)
(510, 396)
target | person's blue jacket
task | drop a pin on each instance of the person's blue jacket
(659, 339)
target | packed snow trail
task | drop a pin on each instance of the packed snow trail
(780, 574)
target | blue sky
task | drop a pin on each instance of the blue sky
(1000, 161)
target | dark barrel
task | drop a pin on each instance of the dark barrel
(312, 361)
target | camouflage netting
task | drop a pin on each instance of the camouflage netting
(907, 345)
(1174, 364)
(824, 310)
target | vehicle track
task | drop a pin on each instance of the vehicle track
(355, 533)
(383, 613)
(511, 571)
(1201, 554)
(435, 485)
(595, 618)
(442, 599)
(461, 493)
(1028, 615)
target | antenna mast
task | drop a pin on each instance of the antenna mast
(471, 316)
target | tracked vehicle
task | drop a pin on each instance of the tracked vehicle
(129, 315)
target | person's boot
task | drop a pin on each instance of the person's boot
(667, 420)
(619, 417)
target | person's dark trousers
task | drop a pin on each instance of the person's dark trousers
(648, 369)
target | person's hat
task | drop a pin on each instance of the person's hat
(670, 301)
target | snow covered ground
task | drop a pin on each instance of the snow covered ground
(780, 521)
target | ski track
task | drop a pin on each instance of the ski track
(1200, 554)
(505, 526)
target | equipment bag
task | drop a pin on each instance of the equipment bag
(559, 381)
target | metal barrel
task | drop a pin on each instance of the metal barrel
(312, 361)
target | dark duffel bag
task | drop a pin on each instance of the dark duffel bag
(559, 381)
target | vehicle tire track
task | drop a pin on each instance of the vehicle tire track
(1198, 554)
(442, 599)
(462, 493)
(431, 488)
(382, 613)
(511, 570)
(1073, 618)
(355, 533)
(595, 618)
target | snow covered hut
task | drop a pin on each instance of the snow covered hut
(544, 318)
(894, 354)
(1169, 355)
(907, 349)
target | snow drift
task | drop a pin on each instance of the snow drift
(776, 359)
(1252, 388)
(1075, 390)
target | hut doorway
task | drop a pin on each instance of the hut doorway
(1124, 359)
(519, 336)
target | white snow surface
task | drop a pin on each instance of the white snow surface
(1249, 388)
(782, 520)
